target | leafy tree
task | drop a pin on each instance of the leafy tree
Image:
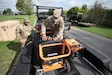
(65, 12)
(20, 5)
(28, 7)
(72, 11)
(95, 14)
(100, 15)
(84, 9)
(107, 19)
(4, 12)
(50, 12)
(24, 6)
(9, 11)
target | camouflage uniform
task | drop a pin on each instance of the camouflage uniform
(56, 25)
(23, 33)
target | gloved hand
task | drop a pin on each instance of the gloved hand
(55, 38)
(44, 38)
(49, 38)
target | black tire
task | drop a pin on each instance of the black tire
(67, 66)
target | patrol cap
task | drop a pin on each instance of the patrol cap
(57, 13)
(26, 20)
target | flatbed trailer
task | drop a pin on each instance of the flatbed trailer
(78, 65)
(84, 24)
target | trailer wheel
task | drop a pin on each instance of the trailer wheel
(67, 66)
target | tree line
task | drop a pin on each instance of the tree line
(8, 11)
(100, 15)
(97, 14)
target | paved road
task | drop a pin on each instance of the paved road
(101, 44)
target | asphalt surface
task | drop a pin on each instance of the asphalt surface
(96, 45)
(101, 44)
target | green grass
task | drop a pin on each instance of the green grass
(103, 31)
(18, 17)
(9, 49)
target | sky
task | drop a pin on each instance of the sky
(66, 4)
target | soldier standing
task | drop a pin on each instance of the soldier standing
(23, 33)
(56, 23)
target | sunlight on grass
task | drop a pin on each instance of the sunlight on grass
(18, 17)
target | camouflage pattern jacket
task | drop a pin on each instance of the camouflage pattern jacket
(57, 26)
(23, 32)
